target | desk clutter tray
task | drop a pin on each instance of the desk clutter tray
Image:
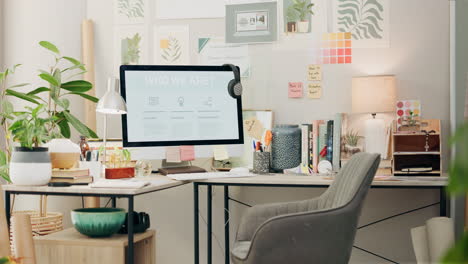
(418, 153)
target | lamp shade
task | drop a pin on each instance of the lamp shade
(112, 102)
(373, 94)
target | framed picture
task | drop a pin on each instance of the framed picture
(251, 23)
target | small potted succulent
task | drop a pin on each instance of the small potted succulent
(304, 10)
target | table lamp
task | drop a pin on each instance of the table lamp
(374, 94)
(111, 103)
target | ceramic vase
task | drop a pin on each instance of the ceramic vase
(286, 147)
(30, 166)
(303, 26)
(64, 154)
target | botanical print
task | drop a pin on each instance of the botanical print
(130, 11)
(171, 45)
(366, 20)
(130, 46)
(130, 49)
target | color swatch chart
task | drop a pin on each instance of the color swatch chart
(336, 48)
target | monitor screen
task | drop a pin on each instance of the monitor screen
(179, 105)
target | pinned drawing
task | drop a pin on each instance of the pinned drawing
(172, 45)
(130, 49)
(130, 46)
(366, 20)
(130, 11)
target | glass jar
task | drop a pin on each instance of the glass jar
(286, 147)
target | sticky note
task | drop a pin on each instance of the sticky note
(220, 152)
(314, 90)
(254, 128)
(295, 90)
(187, 153)
(173, 154)
(314, 72)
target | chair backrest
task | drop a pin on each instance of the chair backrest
(358, 172)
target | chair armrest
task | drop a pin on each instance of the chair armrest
(327, 235)
(258, 214)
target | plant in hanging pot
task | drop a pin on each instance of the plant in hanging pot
(304, 9)
(30, 163)
(50, 108)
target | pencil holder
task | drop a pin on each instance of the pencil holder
(261, 162)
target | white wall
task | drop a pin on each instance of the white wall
(25, 24)
(419, 56)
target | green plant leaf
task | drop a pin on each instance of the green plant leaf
(3, 158)
(87, 96)
(79, 86)
(80, 127)
(75, 62)
(49, 46)
(26, 97)
(18, 85)
(7, 107)
(62, 102)
(5, 176)
(458, 253)
(50, 79)
(64, 128)
(38, 90)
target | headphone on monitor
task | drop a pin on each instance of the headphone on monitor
(235, 86)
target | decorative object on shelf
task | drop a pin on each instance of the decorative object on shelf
(261, 162)
(120, 165)
(84, 147)
(351, 140)
(410, 123)
(112, 103)
(374, 94)
(286, 147)
(50, 116)
(304, 10)
(64, 154)
(325, 167)
(98, 222)
(418, 153)
(408, 115)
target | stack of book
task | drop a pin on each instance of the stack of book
(321, 140)
(72, 176)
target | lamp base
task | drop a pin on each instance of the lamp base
(375, 137)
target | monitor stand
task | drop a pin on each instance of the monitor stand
(178, 168)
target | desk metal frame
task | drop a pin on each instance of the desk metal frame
(209, 185)
(114, 197)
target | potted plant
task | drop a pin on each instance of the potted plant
(410, 123)
(119, 165)
(304, 9)
(50, 115)
(291, 18)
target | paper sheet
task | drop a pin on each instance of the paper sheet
(172, 45)
(295, 90)
(130, 11)
(130, 46)
(220, 152)
(187, 153)
(173, 154)
(254, 128)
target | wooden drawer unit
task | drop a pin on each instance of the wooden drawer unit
(69, 246)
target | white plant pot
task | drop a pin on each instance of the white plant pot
(303, 26)
(30, 166)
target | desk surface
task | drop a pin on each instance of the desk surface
(159, 182)
(285, 179)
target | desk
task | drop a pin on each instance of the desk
(281, 180)
(158, 183)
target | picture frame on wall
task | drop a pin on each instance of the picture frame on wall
(252, 22)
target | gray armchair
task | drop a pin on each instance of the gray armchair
(319, 230)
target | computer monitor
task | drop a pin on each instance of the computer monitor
(179, 105)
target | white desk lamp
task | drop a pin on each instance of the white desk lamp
(111, 103)
(374, 94)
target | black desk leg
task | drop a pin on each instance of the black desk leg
(226, 225)
(195, 222)
(114, 202)
(7, 207)
(210, 227)
(443, 203)
(130, 251)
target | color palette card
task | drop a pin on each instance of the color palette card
(404, 108)
(336, 48)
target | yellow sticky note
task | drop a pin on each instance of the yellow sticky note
(254, 128)
(173, 154)
(220, 152)
(314, 72)
(164, 43)
(314, 90)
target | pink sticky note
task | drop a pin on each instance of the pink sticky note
(187, 153)
(295, 90)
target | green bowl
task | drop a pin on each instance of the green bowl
(98, 222)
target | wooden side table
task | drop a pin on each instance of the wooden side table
(69, 246)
